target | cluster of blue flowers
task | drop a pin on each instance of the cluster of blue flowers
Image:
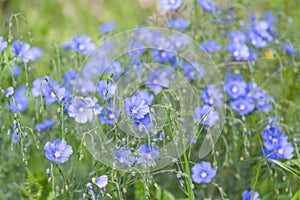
(145, 155)
(276, 145)
(245, 97)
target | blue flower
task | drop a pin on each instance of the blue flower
(237, 36)
(19, 102)
(109, 114)
(85, 86)
(144, 124)
(3, 44)
(212, 96)
(83, 44)
(203, 172)
(179, 24)
(243, 105)
(179, 41)
(26, 53)
(143, 33)
(19, 47)
(235, 87)
(250, 195)
(289, 49)
(58, 151)
(256, 40)
(210, 46)
(262, 29)
(106, 89)
(170, 4)
(93, 68)
(84, 109)
(69, 77)
(284, 150)
(272, 136)
(136, 107)
(66, 46)
(206, 115)
(144, 94)
(158, 79)
(252, 55)
(53, 91)
(16, 70)
(102, 181)
(137, 49)
(147, 155)
(207, 5)
(124, 157)
(107, 27)
(45, 125)
(161, 55)
(239, 51)
(32, 55)
(192, 71)
(9, 91)
(115, 69)
(263, 101)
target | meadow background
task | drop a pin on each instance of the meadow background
(47, 24)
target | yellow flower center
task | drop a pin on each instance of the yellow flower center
(234, 89)
(112, 116)
(134, 111)
(280, 151)
(211, 101)
(121, 160)
(81, 47)
(155, 81)
(172, 1)
(80, 109)
(94, 180)
(203, 174)
(149, 156)
(57, 154)
(163, 54)
(53, 94)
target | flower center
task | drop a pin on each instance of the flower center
(274, 140)
(149, 156)
(134, 111)
(155, 81)
(192, 74)
(163, 54)
(242, 107)
(280, 151)
(57, 154)
(203, 174)
(81, 109)
(172, 1)
(211, 101)
(236, 53)
(53, 94)
(81, 47)
(121, 160)
(112, 116)
(234, 89)
(83, 89)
